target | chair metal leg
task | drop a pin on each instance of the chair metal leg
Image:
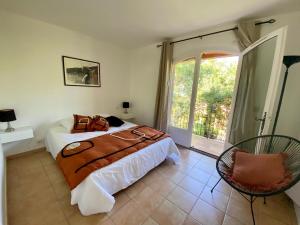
(265, 202)
(215, 185)
(251, 201)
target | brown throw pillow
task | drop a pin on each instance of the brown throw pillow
(263, 172)
(81, 124)
(99, 123)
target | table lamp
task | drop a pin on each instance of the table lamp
(125, 106)
(7, 115)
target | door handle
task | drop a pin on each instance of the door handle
(262, 121)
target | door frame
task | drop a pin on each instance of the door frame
(184, 136)
(275, 78)
(180, 135)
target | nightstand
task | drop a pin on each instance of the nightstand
(127, 117)
(18, 134)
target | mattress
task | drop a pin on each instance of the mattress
(95, 193)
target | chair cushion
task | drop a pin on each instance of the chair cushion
(262, 172)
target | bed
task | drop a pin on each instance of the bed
(95, 193)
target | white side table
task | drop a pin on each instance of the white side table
(127, 116)
(18, 134)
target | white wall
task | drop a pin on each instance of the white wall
(31, 78)
(144, 67)
(289, 120)
(144, 81)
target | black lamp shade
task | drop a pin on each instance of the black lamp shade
(289, 60)
(7, 115)
(125, 105)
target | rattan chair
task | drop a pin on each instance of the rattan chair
(265, 144)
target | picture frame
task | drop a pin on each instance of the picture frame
(81, 72)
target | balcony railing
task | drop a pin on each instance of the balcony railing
(209, 122)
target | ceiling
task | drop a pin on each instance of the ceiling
(135, 23)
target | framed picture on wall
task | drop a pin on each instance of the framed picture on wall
(81, 72)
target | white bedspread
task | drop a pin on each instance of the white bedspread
(94, 194)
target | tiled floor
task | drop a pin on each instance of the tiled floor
(170, 194)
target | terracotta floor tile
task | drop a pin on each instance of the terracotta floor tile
(173, 175)
(67, 208)
(222, 185)
(207, 214)
(264, 219)
(209, 160)
(228, 220)
(135, 189)
(192, 185)
(184, 168)
(97, 219)
(148, 200)
(129, 214)
(191, 221)
(162, 186)
(216, 199)
(199, 175)
(45, 157)
(206, 167)
(189, 160)
(107, 222)
(53, 172)
(240, 210)
(168, 214)
(121, 199)
(150, 221)
(182, 199)
(280, 212)
(61, 188)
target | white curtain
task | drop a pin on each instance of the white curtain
(162, 96)
(243, 120)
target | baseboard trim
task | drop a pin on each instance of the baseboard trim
(203, 153)
(18, 155)
(199, 151)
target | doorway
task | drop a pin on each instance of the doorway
(202, 90)
(213, 101)
(214, 93)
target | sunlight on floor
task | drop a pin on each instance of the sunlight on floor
(211, 146)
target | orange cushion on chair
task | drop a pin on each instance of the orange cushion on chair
(261, 172)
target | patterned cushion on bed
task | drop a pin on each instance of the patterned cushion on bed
(99, 123)
(82, 124)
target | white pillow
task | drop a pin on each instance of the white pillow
(103, 115)
(67, 123)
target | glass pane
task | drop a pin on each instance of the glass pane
(252, 90)
(182, 93)
(213, 101)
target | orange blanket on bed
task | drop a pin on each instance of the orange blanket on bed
(78, 159)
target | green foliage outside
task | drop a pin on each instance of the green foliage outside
(215, 89)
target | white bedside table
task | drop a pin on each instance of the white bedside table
(18, 134)
(127, 116)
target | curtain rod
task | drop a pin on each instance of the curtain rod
(217, 32)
